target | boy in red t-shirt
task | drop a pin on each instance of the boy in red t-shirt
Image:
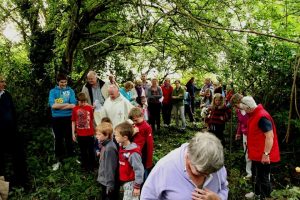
(143, 137)
(83, 131)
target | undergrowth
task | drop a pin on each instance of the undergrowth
(69, 182)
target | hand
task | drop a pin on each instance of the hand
(265, 159)
(237, 137)
(109, 190)
(74, 137)
(135, 130)
(205, 194)
(136, 192)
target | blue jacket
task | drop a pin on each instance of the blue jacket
(67, 95)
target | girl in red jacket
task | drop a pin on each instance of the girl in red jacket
(219, 113)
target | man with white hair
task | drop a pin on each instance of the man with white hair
(94, 90)
(263, 147)
(194, 170)
(116, 107)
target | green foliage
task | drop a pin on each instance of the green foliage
(290, 193)
(186, 37)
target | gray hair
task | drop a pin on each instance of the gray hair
(249, 102)
(91, 73)
(206, 152)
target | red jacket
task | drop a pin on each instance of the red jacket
(144, 139)
(167, 94)
(256, 137)
(219, 115)
(125, 169)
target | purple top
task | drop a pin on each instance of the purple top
(169, 179)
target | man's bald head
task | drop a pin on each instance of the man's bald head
(113, 92)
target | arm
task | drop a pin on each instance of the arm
(62, 106)
(135, 161)
(154, 185)
(159, 93)
(73, 131)
(149, 94)
(239, 129)
(268, 146)
(111, 158)
(266, 126)
(181, 95)
(149, 145)
(223, 192)
(174, 95)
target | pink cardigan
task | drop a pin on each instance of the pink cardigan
(242, 123)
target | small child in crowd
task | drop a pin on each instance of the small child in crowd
(205, 104)
(83, 131)
(131, 168)
(145, 107)
(143, 137)
(108, 162)
(97, 143)
(219, 114)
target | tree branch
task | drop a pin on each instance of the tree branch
(184, 13)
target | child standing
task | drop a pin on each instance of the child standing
(131, 168)
(143, 138)
(97, 143)
(205, 104)
(242, 130)
(108, 162)
(218, 115)
(82, 125)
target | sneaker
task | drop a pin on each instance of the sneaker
(78, 162)
(249, 176)
(56, 166)
(250, 195)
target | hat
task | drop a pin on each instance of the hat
(249, 101)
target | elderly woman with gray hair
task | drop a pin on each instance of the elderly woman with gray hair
(193, 171)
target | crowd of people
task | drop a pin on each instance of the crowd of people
(114, 127)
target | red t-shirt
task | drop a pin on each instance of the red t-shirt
(84, 120)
